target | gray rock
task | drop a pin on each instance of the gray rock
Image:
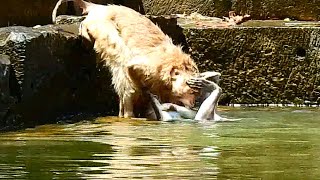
(52, 74)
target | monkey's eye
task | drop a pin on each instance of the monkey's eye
(176, 73)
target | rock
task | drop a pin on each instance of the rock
(52, 74)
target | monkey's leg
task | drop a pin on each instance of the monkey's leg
(128, 106)
(121, 110)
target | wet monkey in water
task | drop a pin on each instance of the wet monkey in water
(208, 99)
(138, 54)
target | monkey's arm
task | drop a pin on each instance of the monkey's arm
(209, 104)
(154, 111)
(207, 110)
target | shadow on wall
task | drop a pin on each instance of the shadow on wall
(134, 4)
(169, 26)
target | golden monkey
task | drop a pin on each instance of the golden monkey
(132, 46)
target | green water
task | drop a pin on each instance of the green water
(264, 144)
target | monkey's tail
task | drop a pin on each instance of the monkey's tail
(85, 6)
(54, 12)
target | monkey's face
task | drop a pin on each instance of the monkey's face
(181, 91)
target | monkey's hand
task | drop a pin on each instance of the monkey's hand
(196, 83)
(201, 84)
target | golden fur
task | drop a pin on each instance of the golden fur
(138, 54)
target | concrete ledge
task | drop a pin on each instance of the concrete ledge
(261, 65)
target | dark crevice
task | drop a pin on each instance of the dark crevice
(301, 52)
(15, 90)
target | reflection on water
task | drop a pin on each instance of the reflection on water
(265, 143)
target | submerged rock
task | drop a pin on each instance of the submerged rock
(51, 74)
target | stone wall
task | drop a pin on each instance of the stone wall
(34, 12)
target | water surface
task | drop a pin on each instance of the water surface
(264, 144)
